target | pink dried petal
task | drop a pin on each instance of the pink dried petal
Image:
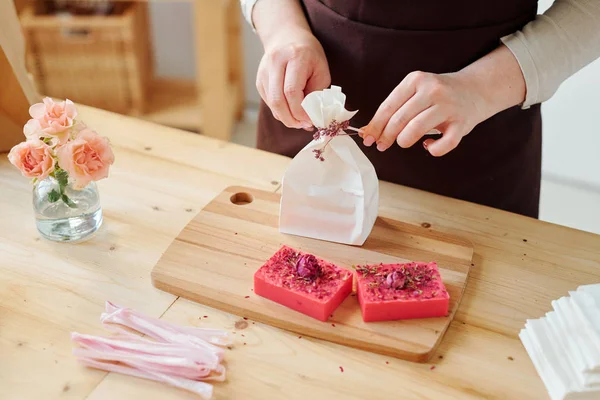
(205, 390)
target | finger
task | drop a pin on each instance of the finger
(420, 126)
(400, 95)
(450, 139)
(276, 99)
(362, 131)
(427, 142)
(319, 80)
(400, 119)
(263, 90)
(260, 86)
(293, 88)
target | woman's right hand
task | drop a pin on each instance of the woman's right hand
(294, 65)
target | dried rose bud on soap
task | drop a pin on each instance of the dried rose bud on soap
(401, 291)
(395, 280)
(303, 283)
(308, 267)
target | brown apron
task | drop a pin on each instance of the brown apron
(371, 45)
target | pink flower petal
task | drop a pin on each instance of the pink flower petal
(70, 109)
(33, 158)
(37, 111)
(32, 129)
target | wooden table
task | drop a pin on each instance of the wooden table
(162, 177)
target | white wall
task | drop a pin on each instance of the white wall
(172, 34)
(572, 127)
(571, 150)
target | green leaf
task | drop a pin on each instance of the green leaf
(53, 196)
(68, 201)
(62, 177)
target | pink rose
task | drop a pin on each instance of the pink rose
(86, 158)
(33, 158)
(51, 120)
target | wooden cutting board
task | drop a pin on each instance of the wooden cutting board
(214, 258)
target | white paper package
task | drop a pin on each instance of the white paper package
(333, 196)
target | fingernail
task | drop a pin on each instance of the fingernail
(425, 145)
(381, 147)
(306, 125)
(369, 140)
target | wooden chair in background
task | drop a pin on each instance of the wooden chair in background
(17, 91)
(210, 104)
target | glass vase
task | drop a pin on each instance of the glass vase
(69, 215)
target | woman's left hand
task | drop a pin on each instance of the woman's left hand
(421, 103)
(452, 103)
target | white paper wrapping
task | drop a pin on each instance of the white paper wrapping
(334, 200)
(327, 105)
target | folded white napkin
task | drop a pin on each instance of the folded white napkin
(564, 345)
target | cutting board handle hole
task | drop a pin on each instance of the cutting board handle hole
(241, 199)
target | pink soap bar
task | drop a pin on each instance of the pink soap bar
(303, 283)
(389, 292)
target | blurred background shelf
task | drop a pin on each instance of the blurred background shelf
(174, 102)
(107, 61)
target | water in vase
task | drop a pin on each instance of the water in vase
(69, 219)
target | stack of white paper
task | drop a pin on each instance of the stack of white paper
(565, 345)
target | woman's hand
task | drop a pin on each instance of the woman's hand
(451, 103)
(423, 102)
(294, 65)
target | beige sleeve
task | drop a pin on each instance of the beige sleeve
(555, 45)
(247, 7)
